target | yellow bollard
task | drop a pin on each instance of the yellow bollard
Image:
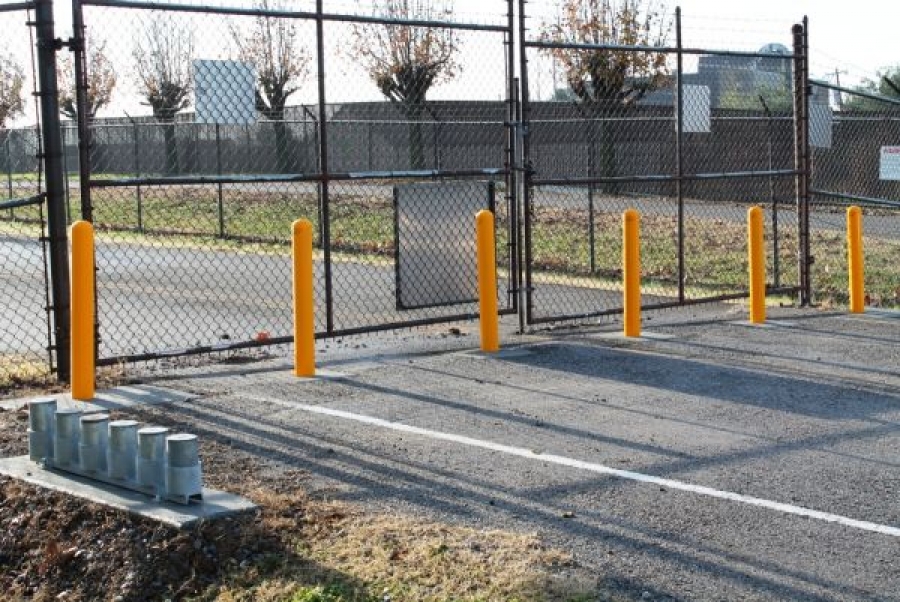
(631, 260)
(855, 260)
(304, 322)
(757, 265)
(487, 281)
(82, 338)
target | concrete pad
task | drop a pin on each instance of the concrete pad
(503, 354)
(215, 504)
(877, 313)
(321, 374)
(110, 399)
(645, 336)
(766, 324)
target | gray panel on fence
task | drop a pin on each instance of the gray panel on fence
(225, 92)
(435, 242)
(821, 120)
(697, 111)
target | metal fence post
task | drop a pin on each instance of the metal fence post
(325, 222)
(65, 166)
(137, 175)
(221, 202)
(525, 100)
(513, 118)
(801, 156)
(53, 174)
(9, 168)
(84, 132)
(679, 155)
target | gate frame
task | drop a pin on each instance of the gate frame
(800, 173)
(325, 177)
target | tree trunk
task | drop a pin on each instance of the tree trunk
(171, 148)
(603, 160)
(5, 140)
(416, 142)
(607, 159)
(283, 151)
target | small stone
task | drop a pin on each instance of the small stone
(646, 595)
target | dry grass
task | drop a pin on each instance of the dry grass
(359, 557)
(23, 376)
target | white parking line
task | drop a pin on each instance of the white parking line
(591, 467)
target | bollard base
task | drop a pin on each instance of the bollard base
(193, 496)
(216, 504)
(766, 324)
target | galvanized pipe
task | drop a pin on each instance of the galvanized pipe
(183, 478)
(40, 428)
(68, 433)
(121, 454)
(94, 440)
(151, 458)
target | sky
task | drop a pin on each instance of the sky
(848, 44)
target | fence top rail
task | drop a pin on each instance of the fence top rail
(869, 95)
(858, 199)
(17, 6)
(131, 182)
(735, 175)
(25, 202)
(656, 119)
(286, 14)
(101, 123)
(661, 49)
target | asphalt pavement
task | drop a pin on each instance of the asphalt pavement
(711, 461)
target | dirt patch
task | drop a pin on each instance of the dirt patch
(56, 547)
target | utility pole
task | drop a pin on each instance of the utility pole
(837, 82)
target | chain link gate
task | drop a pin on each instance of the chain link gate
(692, 151)
(193, 204)
(34, 278)
(855, 151)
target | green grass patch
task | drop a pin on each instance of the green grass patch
(362, 225)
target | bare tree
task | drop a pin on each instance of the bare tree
(886, 83)
(100, 85)
(282, 64)
(611, 78)
(163, 64)
(607, 81)
(405, 61)
(12, 79)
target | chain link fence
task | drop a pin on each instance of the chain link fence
(266, 114)
(690, 149)
(855, 161)
(24, 338)
(388, 129)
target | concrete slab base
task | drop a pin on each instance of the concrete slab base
(110, 399)
(766, 324)
(321, 374)
(877, 313)
(645, 336)
(503, 354)
(215, 504)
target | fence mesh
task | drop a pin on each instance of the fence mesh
(609, 139)
(211, 131)
(856, 161)
(193, 203)
(23, 281)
